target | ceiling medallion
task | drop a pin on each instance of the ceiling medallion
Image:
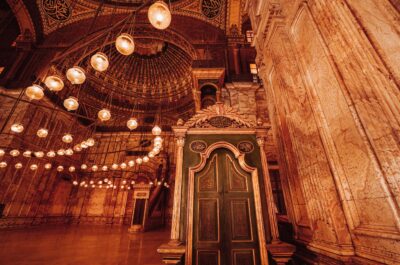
(211, 8)
(59, 10)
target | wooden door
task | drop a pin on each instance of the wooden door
(225, 231)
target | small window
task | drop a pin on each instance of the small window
(253, 69)
(1, 69)
(249, 36)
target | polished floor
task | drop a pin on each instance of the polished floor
(80, 246)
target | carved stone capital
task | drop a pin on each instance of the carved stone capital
(180, 141)
(261, 141)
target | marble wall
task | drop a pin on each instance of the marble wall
(330, 69)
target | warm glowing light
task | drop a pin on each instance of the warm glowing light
(99, 62)
(151, 154)
(90, 142)
(114, 166)
(158, 141)
(34, 92)
(133, 182)
(71, 103)
(17, 128)
(139, 161)
(60, 168)
(33, 167)
(131, 163)
(75, 183)
(51, 153)
(42, 133)
(3, 164)
(156, 130)
(159, 15)
(2, 152)
(14, 153)
(125, 44)
(54, 83)
(84, 145)
(132, 124)
(39, 154)
(104, 115)
(71, 169)
(84, 166)
(76, 75)
(27, 153)
(104, 168)
(61, 152)
(67, 138)
(18, 165)
(69, 152)
(47, 166)
(95, 168)
(77, 148)
(91, 182)
(123, 165)
(146, 159)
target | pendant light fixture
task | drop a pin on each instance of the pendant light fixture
(99, 61)
(54, 83)
(125, 44)
(132, 124)
(17, 128)
(34, 92)
(42, 133)
(67, 138)
(76, 75)
(71, 103)
(159, 15)
(104, 115)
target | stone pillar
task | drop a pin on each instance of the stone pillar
(268, 191)
(176, 213)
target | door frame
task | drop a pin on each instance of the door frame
(204, 156)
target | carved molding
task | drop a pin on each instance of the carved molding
(219, 116)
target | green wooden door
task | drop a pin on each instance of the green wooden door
(225, 231)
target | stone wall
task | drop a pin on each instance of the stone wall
(330, 69)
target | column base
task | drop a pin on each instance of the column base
(281, 252)
(172, 253)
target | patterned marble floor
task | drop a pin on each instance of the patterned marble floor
(80, 246)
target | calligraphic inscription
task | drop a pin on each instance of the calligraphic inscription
(246, 147)
(198, 146)
(57, 9)
(220, 122)
(211, 8)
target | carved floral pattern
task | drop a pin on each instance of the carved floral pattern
(57, 9)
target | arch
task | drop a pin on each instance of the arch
(204, 156)
(23, 18)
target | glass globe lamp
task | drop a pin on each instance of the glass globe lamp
(33, 167)
(75, 183)
(104, 168)
(27, 153)
(39, 154)
(139, 161)
(146, 159)
(3, 164)
(151, 154)
(123, 165)
(69, 152)
(51, 153)
(67, 138)
(156, 130)
(84, 145)
(54, 83)
(47, 166)
(114, 166)
(76, 75)
(95, 168)
(131, 163)
(17, 128)
(90, 142)
(132, 124)
(159, 15)
(125, 44)
(18, 166)
(60, 168)
(84, 166)
(99, 62)
(14, 153)
(2, 152)
(104, 115)
(158, 141)
(34, 92)
(71, 103)
(42, 133)
(61, 152)
(71, 169)
(77, 148)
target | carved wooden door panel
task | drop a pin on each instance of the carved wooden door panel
(225, 231)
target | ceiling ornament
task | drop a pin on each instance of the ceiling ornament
(219, 116)
(59, 10)
(211, 8)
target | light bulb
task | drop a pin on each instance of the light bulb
(84, 166)
(71, 103)
(47, 166)
(84, 145)
(114, 166)
(99, 62)
(17, 128)
(139, 161)
(131, 163)
(104, 115)
(61, 152)
(132, 124)
(34, 92)
(39, 154)
(18, 165)
(156, 130)
(69, 152)
(3, 164)
(42, 133)
(90, 142)
(104, 168)
(60, 168)
(123, 165)
(67, 138)
(125, 44)
(27, 153)
(76, 75)
(54, 83)
(77, 148)
(51, 153)
(75, 183)
(95, 168)
(14, 153)
(2, 152)
(33, 167)
(151, 154)
(71, 169)
(146, 159)
(158, 141)
(159, 15)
